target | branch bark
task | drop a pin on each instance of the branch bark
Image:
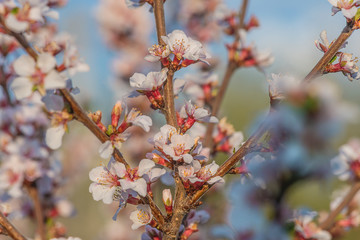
(329, 221)
(39, 215)
(169, 109)
(10, 229)
(334, 48)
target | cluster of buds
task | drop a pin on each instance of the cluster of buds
(248, 56)
(179, 51)
(225, 138)
(231, 22)
(189, 114)
(116, 130)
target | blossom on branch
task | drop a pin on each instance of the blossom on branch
(349, 8)
(40, 75)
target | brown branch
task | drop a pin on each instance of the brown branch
(208, 141)
(230, 70)
(334, 48)
(38, 210)
(329, 221)
(233, 160)
(10, 229)
(169, 109)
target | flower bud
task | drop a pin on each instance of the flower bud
(115, 114)
(167, 200)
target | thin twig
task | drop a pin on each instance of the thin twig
(334, 48)
(169, 109)
(10, 229)
(230, 70)
(329, 221)
(39, 215)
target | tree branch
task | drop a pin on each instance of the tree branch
(39, 215)
(230, 70)
(334, 48)
(10, 229)
(169, 109)
(327, 223)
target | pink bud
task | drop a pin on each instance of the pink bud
(167, 200)
(115, 114)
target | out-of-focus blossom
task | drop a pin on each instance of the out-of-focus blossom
(280, 86)
(123, 27)
(306, 228)
(20, 18)
(347, 164)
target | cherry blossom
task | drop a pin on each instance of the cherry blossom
(106, 180)
(184, 47)
(347, 7)
(40, 74)
(141, 216)
(189, 114)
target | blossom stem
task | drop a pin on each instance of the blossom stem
(329, 221)
(334, 48)
(39, 215)
(10, 229)
(169, 109)
(230, 70)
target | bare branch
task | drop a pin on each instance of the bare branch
(39, 215)
(10, 229)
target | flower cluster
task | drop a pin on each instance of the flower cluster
(179, 51)
(116, 131)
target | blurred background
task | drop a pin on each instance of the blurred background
(287, 28)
